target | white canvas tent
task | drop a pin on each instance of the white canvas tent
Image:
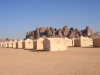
(73, 41)
(96, 42)
(38, 44)
(55, 44)
(69, 42)
(90, 41)
(15, 44)
(99, 42)
(10, 44)
(28, 44)
(6, 44)
(20, 44)
(82, 42)
(1, 44)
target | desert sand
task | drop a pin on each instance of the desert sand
(74, 61)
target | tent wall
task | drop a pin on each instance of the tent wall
(46, 45)
(39, 45)
(58, 46)
(6, 44)
(69, 42)
(1, 44)
(10, 44)
(55, 45)
(35, 45)
(77, 43)
(96, 42)
(99, 42)
(91, 42)
(15, 44)
(20, 44)
(83, 42)
(29, 44)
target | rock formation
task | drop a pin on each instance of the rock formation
(65, 31)
(62, 32)
(6, 39)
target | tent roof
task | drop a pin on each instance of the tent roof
(67, 39)
(15, 40)
(40, 39)
(10, 41)
(20, 40)
(28, 40)
(56, 39)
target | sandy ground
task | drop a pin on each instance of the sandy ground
(74, 61)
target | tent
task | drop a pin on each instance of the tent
(73, 41)
(1, 44)
(90, 41)
(55, 44)
(69, 42)
(28, 44)
(20, 44)
(38, 44)
(6, 44)
(15, 44)
(10, 43)
(99, 42)
(96, 42)
(81, 42)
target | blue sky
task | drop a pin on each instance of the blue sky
(19, 16)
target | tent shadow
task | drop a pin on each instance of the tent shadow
(28, 49)
(15, 48)
(35, 50)
(74, 47)
(90, 47)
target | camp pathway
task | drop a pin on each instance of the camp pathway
(74, 61)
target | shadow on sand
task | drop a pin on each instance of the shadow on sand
(90, 47)
(35, 50)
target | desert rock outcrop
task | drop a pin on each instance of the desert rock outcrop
(62, 32)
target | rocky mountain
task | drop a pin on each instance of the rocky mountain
(5, 39)
(98, 34)
(62, 32)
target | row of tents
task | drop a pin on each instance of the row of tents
(52, 44)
